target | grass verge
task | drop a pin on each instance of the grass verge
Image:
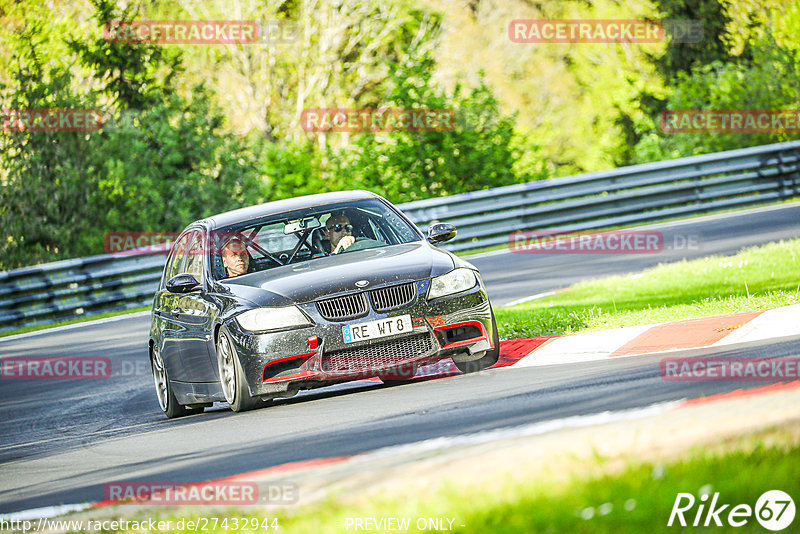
(599, 496)
(756, 278)
(638, 499)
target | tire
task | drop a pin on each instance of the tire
(489, 359)
(166, 397)
(231, 375)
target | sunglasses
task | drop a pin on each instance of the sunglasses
(339, 227)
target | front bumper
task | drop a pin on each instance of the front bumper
(280, 362)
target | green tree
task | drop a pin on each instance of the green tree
(46, 181)
(681, 57)
(289, 168)
(771, 81)
(162, 161)
(678, 60)
(478, 153)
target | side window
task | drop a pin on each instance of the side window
(377, 231)
(177, 257)
(194, 262)
(400, 228)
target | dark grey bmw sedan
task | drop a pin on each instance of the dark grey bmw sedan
(264, 301)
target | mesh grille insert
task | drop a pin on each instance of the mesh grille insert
(394, 297)
(378, 356)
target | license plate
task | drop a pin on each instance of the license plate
(377, 329)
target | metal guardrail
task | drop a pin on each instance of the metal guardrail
(627, 195)
(618, 197)
(72, 288)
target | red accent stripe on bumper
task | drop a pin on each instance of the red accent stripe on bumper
(286, 359)
(478, 324)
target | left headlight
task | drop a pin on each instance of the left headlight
(455, 281)
(264, 319)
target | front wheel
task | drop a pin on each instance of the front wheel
(231, 375)
(166, 397)
(489, 359)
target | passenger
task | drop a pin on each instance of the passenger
(235, 257)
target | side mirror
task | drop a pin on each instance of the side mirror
(441, 232)
(182, 283)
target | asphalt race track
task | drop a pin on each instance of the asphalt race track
(62, 440)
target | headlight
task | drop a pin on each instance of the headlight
(455, 281)
(263, 319)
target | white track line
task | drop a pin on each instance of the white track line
(598, 345)
(44, 513)
(772, 324)
(528, 299)
(582, 347)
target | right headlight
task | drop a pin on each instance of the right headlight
(266, 319)
(455, 281)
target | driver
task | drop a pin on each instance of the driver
(235, 257)
(339, 232)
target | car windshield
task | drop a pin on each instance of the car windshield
(310, 233)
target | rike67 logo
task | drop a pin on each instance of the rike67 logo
(774, 510)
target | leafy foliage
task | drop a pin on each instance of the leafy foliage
(405, 166)
(198, 129)
(167, 163)
(770, 82)
(681, 57)
(764, 75)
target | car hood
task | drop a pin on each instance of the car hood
(310, 280)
